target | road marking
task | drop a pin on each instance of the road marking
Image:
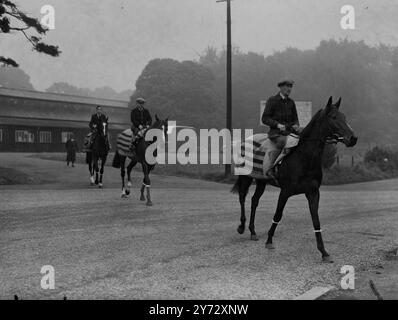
(314, 293)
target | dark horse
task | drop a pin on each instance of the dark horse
(120, 158)
(99, 151)
(300, 172)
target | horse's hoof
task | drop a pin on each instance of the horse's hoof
(142, 198)
(270, 246)
(100, 186)
(254, 237)
(241, 229)
(127, 192)
(327, 259)
(149, 204)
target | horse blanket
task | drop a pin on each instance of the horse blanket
(257, 155)
(124, 140)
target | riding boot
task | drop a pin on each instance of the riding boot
(273, 171)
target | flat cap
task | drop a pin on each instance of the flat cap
(285, 82)
(140, 100)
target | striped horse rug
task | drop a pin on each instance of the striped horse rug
(124, 143)
(256, 156)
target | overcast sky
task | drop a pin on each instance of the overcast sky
(109, 42)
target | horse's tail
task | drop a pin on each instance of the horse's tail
(242, 185)
(116, 163)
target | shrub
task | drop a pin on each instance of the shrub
(385, 159)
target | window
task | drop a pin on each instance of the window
(45, 137)
(66, 135)
(24, 136)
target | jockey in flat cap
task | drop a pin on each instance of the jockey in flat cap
(141, 120)
(97, 119)
(280, 115)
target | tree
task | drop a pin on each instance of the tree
(184, 91)
(365, 77)
(14, 78)
(13, 19)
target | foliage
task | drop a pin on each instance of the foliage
(184, 91)
(13, 19)
(14, 78)
(365, 77)
(385, 159)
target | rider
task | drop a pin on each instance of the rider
(96, 121)
(140, 121)
(280, 115)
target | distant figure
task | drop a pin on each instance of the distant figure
(71, 149)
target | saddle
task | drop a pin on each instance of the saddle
(259, 153)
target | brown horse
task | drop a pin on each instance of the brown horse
(300, 172)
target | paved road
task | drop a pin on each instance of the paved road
(186, 245)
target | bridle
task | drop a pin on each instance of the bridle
(333, 139)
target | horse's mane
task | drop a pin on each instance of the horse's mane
(310, 126)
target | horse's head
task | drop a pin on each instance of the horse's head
(161, 124)
(336, 126)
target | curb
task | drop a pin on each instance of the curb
(314, 293)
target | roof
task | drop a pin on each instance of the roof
(35, 105)
(38, 95)
(54, 123)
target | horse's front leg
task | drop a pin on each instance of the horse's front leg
(282, 200)
(91, 170)
(103, 161)
(123, 174)
(129, 169)
(255, 200)
(313, 197)
(146, 185)
(96, 169)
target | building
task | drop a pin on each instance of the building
(32, 121)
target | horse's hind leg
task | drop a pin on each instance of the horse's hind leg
(244, 183)
(255, 200)
(283, 197)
